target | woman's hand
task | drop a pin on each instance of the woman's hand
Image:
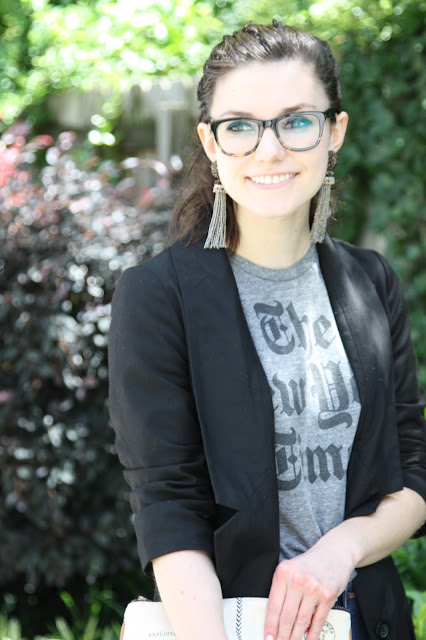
(307, 586)
(304, 589)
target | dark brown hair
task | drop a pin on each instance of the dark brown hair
(252, 43)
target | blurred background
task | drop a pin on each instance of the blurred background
(97, 114)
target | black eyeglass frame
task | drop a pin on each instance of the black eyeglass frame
(263, 124)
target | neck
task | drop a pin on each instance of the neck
(275, 243)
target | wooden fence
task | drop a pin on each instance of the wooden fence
(156, 120)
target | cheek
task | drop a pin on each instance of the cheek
(322, 151)
(319, 162)
(230, 172)
(322, 165)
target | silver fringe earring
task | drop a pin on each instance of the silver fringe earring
(322, 211)
(216, 237)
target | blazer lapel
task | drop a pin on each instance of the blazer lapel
(364, 329)
(231, 390)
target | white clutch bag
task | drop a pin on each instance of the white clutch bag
(244, 620)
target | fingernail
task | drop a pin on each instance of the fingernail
(269, 637)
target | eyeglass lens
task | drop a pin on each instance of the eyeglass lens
(297, 131)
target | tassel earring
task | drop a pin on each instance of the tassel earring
(322, 211)
(216, 237)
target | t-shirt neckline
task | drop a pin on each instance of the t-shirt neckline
(265, 273)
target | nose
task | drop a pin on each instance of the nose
(269, 147)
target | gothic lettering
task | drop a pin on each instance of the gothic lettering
(288, 463)
(320, 469)
(321, 326)
(299, 328)
(297, 392)
(272, 328)
(333, 398)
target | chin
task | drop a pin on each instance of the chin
(277, 213)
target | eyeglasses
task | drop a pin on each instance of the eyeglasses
(299, 131)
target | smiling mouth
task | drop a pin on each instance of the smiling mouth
(276, 179)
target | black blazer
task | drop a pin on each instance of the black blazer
(194, 422)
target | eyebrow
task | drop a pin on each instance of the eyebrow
(246, 114)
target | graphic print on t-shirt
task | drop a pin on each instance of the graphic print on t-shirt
(322, 383)
(314, 393)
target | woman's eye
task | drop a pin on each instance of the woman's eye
(239, 126)
(298, 122)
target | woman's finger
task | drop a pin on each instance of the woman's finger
(295, 594)
(303, 621)
(276, 599)
(318, 620)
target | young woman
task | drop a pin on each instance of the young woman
(263, 386)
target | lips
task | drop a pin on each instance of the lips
(274, 179)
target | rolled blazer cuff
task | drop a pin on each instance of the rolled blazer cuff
(166, 527)
(415, 479)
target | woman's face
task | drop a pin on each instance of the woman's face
(272, 181)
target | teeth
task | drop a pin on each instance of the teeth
(272, 179)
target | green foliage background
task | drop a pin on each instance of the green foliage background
(52, 46)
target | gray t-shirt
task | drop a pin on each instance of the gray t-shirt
(314, 393)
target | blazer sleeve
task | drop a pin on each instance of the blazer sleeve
(410, 400)
(153, 413)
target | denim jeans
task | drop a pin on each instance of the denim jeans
(348, 600)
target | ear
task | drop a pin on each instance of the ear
(338, 130)
(207, 140)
